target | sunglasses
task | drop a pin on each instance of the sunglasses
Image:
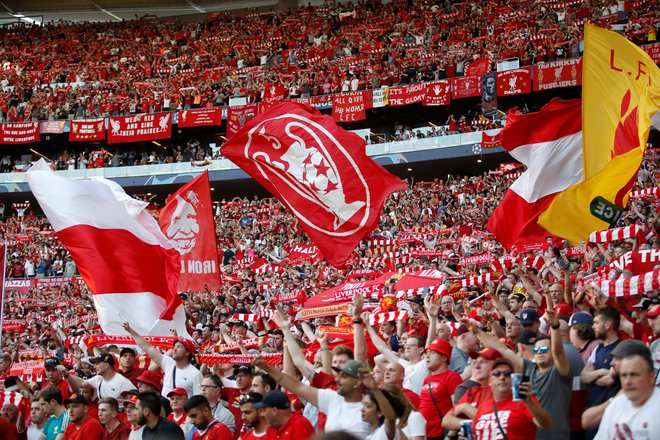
(540, 350)
(500, 373)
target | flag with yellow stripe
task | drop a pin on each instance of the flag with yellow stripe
(620, 94)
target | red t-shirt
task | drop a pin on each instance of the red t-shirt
(121, 432)
(91, 429)
(412, 396)
(215, 431)
(232, 395)
(63, 385)
(442, 386)
(270, 434)
(516, 419)
(296, 428)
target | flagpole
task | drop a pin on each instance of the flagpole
(2, 298)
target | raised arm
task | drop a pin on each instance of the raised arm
(556, 341)
(385, 407)
(491, 341)
(386, 354)
(146, 346)
(289, 382)
(359, 341)
(297, 356)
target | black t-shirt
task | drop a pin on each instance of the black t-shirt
(164, 430)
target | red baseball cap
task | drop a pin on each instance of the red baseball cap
(179, 392)
(489, 353)
(440, 346)
(131, 400)
(190, 345)
(152, 378)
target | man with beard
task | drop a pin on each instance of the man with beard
(208, 428)
(466, 344)
(178, 370)
(81, 425)
(155, 427)
(254, 420)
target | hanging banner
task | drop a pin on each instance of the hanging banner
(53, 127)
(654, 51)
(489, 94)
(348, 107)
(488, 141)
(478, 67)
(274, 92)
(22, 133)
(438, 93)
(87, 130)
(465, 87)
(406, 95)
(556, 74)
(514, 82)
(380, 97)
(200, 117)
(238, 115)
(142, 127)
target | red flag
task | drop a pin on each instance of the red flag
(21, 133)
(488, 141)
(274, 92)
(238, 115)
(348, 107)
(438, 93)
(128, 264)
(87, 130)
(549, 143)
(478, 67)
(199, 117)
(514, 82)
(319, 171)
(142, 127)
(556, 74)
(187, 220)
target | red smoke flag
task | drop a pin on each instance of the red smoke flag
(187, 220)
(549, 143)
(319, 171)
(127, 263)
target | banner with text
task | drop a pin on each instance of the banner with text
(406, 95)
(21, 133)
(556, 74)
(142, 127)
(238, 115)
(514, 82)
(438, 93)
(200, 117)
(465, 87)
(87, 130)
(348, 107)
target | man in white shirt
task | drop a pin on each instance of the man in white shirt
(107, 382)
(38, 418)
(633, 414)
(178, 370)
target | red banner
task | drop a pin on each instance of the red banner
(556, 74)
(305, 252)
(142, 127)
(239, 359)
(238, 115)
(488, 141)
(337, 332)
(514, 82)
(274, 92)
(200, 117)
(87, 130)
(478, 67)
(485, 258)
(654, 51)
(406, 95)
(465, 87)
(187, 220)
(348, 107)
(22, 133)
(637, 262)
(438, 93)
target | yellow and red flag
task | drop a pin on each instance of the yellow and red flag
(620, 94)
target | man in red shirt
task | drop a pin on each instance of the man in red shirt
(254, 420)
(289, 425)
(435, 397)
(208, 428)
(55, 377)
(81, 426)
(114, 428)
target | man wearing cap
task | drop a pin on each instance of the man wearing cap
(212, 388)
(276, 407)
(132, 417)
(254, 419)
(51, 401)
(81, 425)
(208, 428)
(529, 318)
(178, 397)
(435, 399)
(153, 381)
(107, 382)
(473, 391)
(635, 412)
(525, 344)
(114, 428)
(581, 334)
(55, 377)
(127, 365)
(178, 370)
(502, 417)
(343, 407)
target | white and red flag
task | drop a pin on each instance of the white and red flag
(128, 264)
(187, 220)
(549, 143)
(319, 171)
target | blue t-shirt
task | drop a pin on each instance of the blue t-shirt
(56, 425)
(602, 359)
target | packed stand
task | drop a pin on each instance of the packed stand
(307, 52)
(421, 365)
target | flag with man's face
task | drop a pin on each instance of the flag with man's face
(620, 94)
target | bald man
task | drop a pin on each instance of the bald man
(394, 374)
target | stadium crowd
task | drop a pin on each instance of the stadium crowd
(584, 364)
(83, 70)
